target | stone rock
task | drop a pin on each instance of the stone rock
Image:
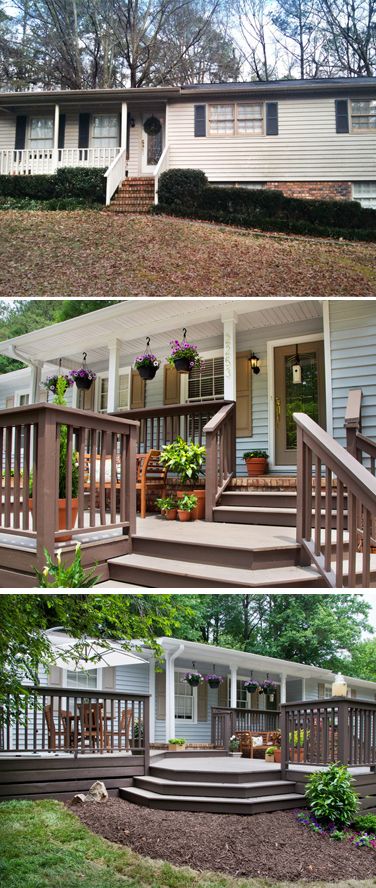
(97, 793)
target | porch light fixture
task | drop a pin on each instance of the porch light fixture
(339, 686)
(254, 362)
(296, 369)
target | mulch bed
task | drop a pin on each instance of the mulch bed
(264, 845)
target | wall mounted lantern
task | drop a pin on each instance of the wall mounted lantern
(296, 369)
(254, 362)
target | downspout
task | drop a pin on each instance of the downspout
(170, 697)
(35, 365)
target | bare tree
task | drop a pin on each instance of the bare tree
(255, 41)
(350, 28)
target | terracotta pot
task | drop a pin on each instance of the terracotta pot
(176, 747)
(183, 515)
(298, 755)
(257, 465)
(62, 516)
(170, 514)
(277, 756)
(199, 512)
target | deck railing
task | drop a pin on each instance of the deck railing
(322, 732)
(161, 425)
(63, 720)
(37, 161)
(98, 457)
(348, 525)
(115, 173)
(220, 435)
(225, 721)
(162, 166)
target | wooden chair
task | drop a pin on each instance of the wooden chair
(64, 729)
(246, 745)
(151, 476)
(107, 476)
(91, 724)
(124, 729)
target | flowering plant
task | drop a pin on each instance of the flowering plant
(57, 575)
(234, 744)
(193, 678)
(146, 360)
(213, 677)
(51, 382)
(186, 350)
(251, 685)
(268, 686)
(82, 373)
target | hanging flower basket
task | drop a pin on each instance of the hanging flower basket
(194, 679)
(184, 356)
(152, 126)
(214, 680)
(147, 365)
(251, 685)
(83, 376)
(268, 687)
(51, 382)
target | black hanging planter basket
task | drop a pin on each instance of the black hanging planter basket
(182, 365)
(147, 372)
(193, 681)
(214, 683)
(83, 382)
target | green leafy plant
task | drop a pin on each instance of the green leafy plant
(234, 744)
(187, 503)
(271, 750)
(165, 503)
(60, 400)
(255, 454)
(67, 184)
(330, 796)
(177, 741)
(297, 738)
(57, 575)
(365, 823)
(183, 459)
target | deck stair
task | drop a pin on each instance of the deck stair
(265, 506)
(217, 792)
(133, 196)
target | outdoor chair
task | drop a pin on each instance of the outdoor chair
(64, 729)
(111, 733)
(91, 724)
(151, 476)
(246, 742)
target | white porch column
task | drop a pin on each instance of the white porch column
(229, 355)
(283, 688)
(152, 698)
(124, 125)
(113, 376)
(36, 374)
(170, 698)
(56, 135)
(233, 697)
(303, 689)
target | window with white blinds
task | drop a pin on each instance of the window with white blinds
(207, 383)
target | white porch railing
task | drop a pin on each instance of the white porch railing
(33, 161)
(162, 165)
(115, 174)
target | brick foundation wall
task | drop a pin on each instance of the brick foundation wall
(313, 190)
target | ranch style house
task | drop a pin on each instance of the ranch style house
(295, 379)
(308, 138)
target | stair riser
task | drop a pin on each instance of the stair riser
(216, 776)
(217, 555)
(157, 579)
(213, 791)
(230, 516)
(270, 500)
(212, 806)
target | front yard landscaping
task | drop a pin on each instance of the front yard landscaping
(90, 253)
(43, 844)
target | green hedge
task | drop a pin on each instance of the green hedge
(53, 203)
(188, 193)
(88, 185)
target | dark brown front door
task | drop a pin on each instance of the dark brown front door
(289, 397)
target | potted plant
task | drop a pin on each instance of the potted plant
(276, 741)
(167, 506)
(251, 685)
(51, 383)
(186, 505)
(214, 680)
(193, 678)
(256, 462)
(184, 356)
(147, 364)
(83, 376)
(186, 461)
(269, 688)
(234, 746)
(176, 744)
(270, 753)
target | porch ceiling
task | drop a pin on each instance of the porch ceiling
(131, 321)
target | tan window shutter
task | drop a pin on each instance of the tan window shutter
(223, 693)
(255, 700)
(137, 391)
(108, 678)
(171, 386)
(321, 691)
(9, 402)
(202, 702)
(160, 696)
(243, 395)
(55, 678)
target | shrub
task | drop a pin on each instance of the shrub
(55, 203)
(33, 187)
(89, 184)
(183, 459)
(182, 188)
(331, 797)
(365, 823)
(67, 184)
(56, 575)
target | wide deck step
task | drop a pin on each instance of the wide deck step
(272, 515)
(256, 557)
(156, 572)
(231, 776)
(224, 790)
(219, 805)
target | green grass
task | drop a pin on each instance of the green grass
(42, 844)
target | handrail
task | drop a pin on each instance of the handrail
(226, 720)
(220, 434)
(115, 174)
(160, 168)
(160, 425)
(352, 484)
(185, 409)
(356, 442)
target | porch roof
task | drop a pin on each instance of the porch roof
(200, 651)
(129, 323)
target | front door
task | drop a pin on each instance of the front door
(307, 396)
(152, 143)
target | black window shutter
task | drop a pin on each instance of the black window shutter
(342, 116)
(83, 130)
(20, 138)
(272, 118)
(61, 133)
(200, 120)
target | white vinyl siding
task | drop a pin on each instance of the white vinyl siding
(306, 149)
(353, 337)
(365, 193)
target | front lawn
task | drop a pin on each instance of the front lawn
(90, 254)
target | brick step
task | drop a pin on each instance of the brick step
(134, 196)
